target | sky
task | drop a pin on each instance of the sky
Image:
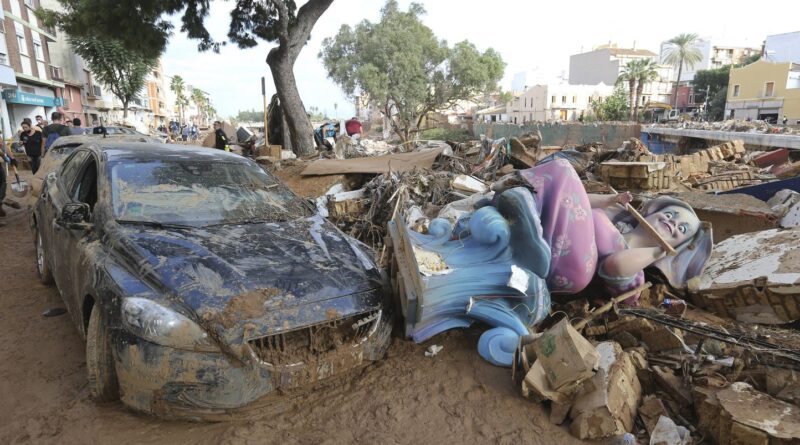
(531, 36)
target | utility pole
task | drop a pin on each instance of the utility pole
(266, 124)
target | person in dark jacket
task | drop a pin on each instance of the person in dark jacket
(220, 139)
(32, 141)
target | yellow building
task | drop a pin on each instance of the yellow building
(765, 90)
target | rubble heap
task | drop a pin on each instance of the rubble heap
(734, 125)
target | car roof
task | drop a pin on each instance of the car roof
(138, 151)
(79, 139)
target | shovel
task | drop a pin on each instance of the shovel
(19, 188)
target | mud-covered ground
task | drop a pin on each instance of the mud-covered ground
(454, 397)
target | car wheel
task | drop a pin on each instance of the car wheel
(103, 384)
(45, 275)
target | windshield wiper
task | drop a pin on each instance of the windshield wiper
(155, 224)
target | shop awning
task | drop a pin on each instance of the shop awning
(23, 98)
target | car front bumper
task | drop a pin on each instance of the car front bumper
(174, 383)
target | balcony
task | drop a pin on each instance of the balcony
(56, 73)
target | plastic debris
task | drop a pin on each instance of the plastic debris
(433, 350)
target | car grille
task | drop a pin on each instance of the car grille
(309, 343)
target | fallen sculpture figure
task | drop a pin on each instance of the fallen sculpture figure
(542, 233)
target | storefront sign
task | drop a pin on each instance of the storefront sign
(21, 97)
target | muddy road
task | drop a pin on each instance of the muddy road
(454, 397)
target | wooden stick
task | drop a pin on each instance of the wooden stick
(606, 307)
(651, 230)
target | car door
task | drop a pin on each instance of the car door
(52, 199)
(75, 266)
(56, 195)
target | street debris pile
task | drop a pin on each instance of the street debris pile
(739, 126)
(714, 359)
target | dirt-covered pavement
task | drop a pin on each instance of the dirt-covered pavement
(454, 397)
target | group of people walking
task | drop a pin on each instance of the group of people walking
(180, 131)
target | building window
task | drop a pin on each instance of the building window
(37, 49)
(552, 99)
(769, 89)
(736, 91)
(3, 59)
(23, 46)
(563, 99)
(526, 102)
(574, 99)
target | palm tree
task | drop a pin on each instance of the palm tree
(647, 72)
(177, 86)
(630, 72)
(199, 99)
(682, 52)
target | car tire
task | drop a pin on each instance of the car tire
(103, 385)
(45, 274)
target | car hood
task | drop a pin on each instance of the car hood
(244, 281)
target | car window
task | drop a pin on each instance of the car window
(85, 187)
(70, 168)
(200, 192)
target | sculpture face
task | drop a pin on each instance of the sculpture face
(675, 224)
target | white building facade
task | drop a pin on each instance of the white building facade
(556, 101)
(783, 47)
(605, 64)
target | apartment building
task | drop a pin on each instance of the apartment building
(31, 84)
(765, 90)
(556, 101)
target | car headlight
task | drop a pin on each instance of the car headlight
(157, 324)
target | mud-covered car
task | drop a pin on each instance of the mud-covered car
(200, 282)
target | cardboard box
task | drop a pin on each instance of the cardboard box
(610, 400)
(565, 355)
(536, 386)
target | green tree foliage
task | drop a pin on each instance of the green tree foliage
(716, 107)
(711, 80)
(612, 108)
(682, 51)
(250, 116)
(400, 64)
(122, 71)
(144, 26)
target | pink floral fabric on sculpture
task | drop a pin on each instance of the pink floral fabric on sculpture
(580, 237)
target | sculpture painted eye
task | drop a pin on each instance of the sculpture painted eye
(683, 228)
(668, 214)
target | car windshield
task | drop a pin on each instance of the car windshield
(199, 193)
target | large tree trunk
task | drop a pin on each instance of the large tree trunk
(124, 110)
(300, 131)
(677, 82)
(292, 38)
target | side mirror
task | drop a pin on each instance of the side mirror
(75, 216)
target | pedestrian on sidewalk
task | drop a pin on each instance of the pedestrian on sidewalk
(54, 131)
(32, 141)
(185, 133)
(220, 139)
(40, 122)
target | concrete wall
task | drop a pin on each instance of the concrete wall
(612, 135)
(593, 67)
